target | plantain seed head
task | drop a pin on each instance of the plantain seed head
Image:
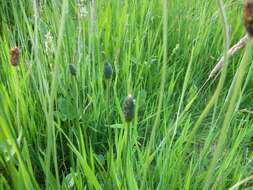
(248, 16)
(72, 69)
(14, 56)
(108, 71)
(129, 108)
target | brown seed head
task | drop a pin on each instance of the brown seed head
(14, 56)
(248, 16)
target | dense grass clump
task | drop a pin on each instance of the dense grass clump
(67, 122)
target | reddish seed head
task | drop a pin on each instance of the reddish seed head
(14, 56)
(248, 16)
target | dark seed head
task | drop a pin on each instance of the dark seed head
(248, 16)
(108, 71)
(129, 108)
(14, 56)
(72, 69)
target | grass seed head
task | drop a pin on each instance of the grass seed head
(108, 71)
(248, 16)
(14, 56)
(72, 69)
(129, 108)
(83, 12)
(49, 43)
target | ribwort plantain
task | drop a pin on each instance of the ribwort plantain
(14, 56)
(108, 71)
(72, 69)
(129, 108)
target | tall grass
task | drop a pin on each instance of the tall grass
(59, 131)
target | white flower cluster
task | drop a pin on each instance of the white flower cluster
(82, 9)
(49, 43)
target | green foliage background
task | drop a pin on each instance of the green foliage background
(58, 131)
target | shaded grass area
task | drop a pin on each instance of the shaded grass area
(59, 131)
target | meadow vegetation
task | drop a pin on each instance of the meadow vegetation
(109, 94)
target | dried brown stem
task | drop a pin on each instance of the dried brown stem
(233, 50)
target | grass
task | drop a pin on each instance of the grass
(59, 131)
